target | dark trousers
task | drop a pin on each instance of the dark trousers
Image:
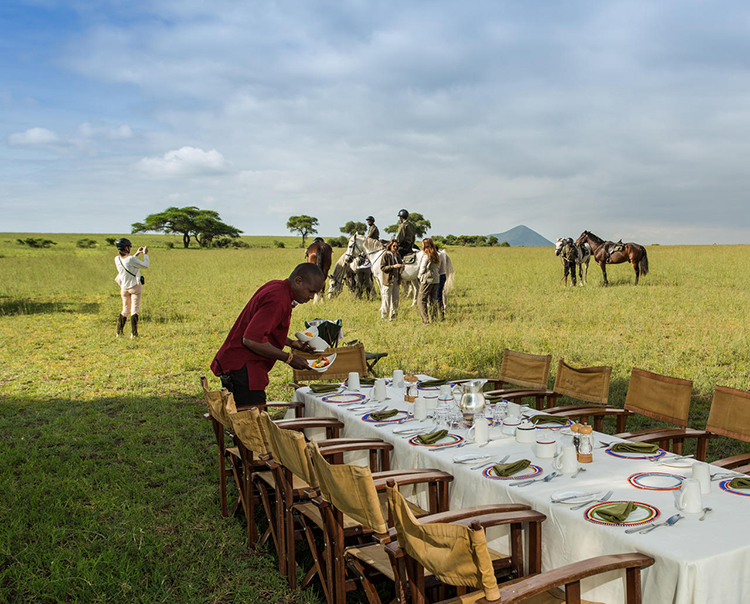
(237, 383)
(441, 285)
(570, 267)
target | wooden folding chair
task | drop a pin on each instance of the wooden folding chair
(730, 416)
(348, 359)
(455, 551)
(663, 398)
(520, 369)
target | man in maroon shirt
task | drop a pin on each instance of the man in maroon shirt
(257, 339)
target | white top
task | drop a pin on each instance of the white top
(441, 269)
(132, 264)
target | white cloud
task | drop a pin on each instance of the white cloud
(89, 131)
(34, 137)
(186, 161)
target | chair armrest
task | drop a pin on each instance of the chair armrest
(474, 512)
(336, 449)
(582, 410)
(331, 442)
(509, 517)
(414, 478)
(733, 462)
(309, 422)
(653, 434)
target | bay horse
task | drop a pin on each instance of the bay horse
(320, 253)
(584, 257)
(630, 252)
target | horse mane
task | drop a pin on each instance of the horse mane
(594, 238)
(370, 244)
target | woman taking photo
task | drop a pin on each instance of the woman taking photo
(429, 278)
(131, 283)
(391, 266)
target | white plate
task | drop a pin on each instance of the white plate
(576, 496)
(678, 463)
(330, 357)
(470, 458)
(302, 335)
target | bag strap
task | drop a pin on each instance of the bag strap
(123, 267)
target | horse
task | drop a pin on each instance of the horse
(584, 257)
(358, 244)
(320, 253)
(630, 252)
(344, 273)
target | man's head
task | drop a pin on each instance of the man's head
(403, 215)
(370, 220)
(307, 280)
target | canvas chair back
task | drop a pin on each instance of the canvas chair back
(730, 413)
(455, 554)
(348, 359)
(289, 448)
(659, 396)
(523, 369)
(351, 490)
(220, 403)
(590, 384)
(247, 426)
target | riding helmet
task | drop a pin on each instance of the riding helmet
(123, 243)
(370, 218)
(403, 214)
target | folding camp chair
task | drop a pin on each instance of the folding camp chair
(348, 359)
(730, 416)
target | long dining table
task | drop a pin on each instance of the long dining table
(696, 562)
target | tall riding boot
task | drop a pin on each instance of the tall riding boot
(133, 326)
(121, 324)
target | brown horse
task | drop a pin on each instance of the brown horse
(319, 252)
(630, 252)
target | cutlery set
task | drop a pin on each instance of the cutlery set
(601, 499)
(547, 478)
(641, 530)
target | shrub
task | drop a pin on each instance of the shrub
(169, 245)
(110, 240)
(277, 243)
(36, 242)
(238, 243)
(86, 243)
(504, 244)
(338, 241)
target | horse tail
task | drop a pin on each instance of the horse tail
(449, 274)
(644, 262)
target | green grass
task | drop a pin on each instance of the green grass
(108, 481)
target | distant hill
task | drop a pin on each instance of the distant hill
(523, 236)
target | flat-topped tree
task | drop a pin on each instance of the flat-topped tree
(303, 224)
(190, 221)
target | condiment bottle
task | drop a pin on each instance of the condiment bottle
(585, 444)
(576, 439)
(410, 392)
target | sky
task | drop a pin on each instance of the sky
(629, 119)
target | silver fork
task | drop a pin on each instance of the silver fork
(601, 499)
(547, 478)
(401, 421)
(604, 445)
(490, 463)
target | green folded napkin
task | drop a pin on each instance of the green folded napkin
(367, 381)
(381, 415)
(549, 420)
(493, 398)
(431, 439)
(508, 469)
(321, 388)
(617, 513)
(433, 383)
(740, 482)
(646, 448)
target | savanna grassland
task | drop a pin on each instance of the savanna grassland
(107, 469)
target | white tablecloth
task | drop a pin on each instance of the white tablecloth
(696, 562)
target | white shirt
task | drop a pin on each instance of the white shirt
(132, 264)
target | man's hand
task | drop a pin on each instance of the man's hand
(301, 346)
(298, 363)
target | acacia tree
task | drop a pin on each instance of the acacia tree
(421, 225)
(304, 225)
(351, 228)
(190, 221)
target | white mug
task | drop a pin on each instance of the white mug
(353, 382)
(510, 424)
(480, 430)
(398, 378)
(513, 410)
(378, 391)
(702, 473)
(690, 500)
(526, 433)
(420, 408)
(546, 447)
(567, 461)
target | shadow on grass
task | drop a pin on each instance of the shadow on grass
(25, 306)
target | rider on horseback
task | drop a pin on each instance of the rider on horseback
(406, 235)
(372, 230)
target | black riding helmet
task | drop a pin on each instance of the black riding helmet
(403, 214)
(123, 243)
(370, 218)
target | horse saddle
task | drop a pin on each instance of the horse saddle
(616, 247)
(409, 258)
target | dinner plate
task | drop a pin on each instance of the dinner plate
(470, 458)
(656, 481)
(724, 486)
(451, 439)
(573, 497)
(678, 463)
(657, 455)
(532, 470)
(642, 514)
(346, 397)
(331, 358)
(396, 418)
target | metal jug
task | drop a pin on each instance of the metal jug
(472, 398)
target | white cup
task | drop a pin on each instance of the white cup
(510, 424)
(353, 382)
(690, 500)
(432, 403)
(420, 408)
(546, 446)
(567, 461)
(378, 391)
(526, 433)
(446, 391)
(702, 473)
(398, 378)
(480, 430)
(513, 410)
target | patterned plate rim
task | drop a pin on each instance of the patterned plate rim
(724, 486)
(395, 418)
(535, 471)
(543, 427)
(661, 453)
(655, 513)
(633, 480)
(356, 399)
(458, 439)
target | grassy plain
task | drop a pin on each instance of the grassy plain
(107, 479)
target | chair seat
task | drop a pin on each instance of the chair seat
(555, 596)
(372, 358)
(270, 480)
(373, 555)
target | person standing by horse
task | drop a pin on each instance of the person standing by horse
(569, 255)
(131, 284)
(429, 277)
(406, 234)
(372, 232)
(391, 267)
(257, 339)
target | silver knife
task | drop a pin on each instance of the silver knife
(490, 463)
(574, 497)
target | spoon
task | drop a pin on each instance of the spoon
(705, 511)
(578, 471)
(672, 520)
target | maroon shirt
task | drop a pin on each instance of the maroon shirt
(265, 318)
